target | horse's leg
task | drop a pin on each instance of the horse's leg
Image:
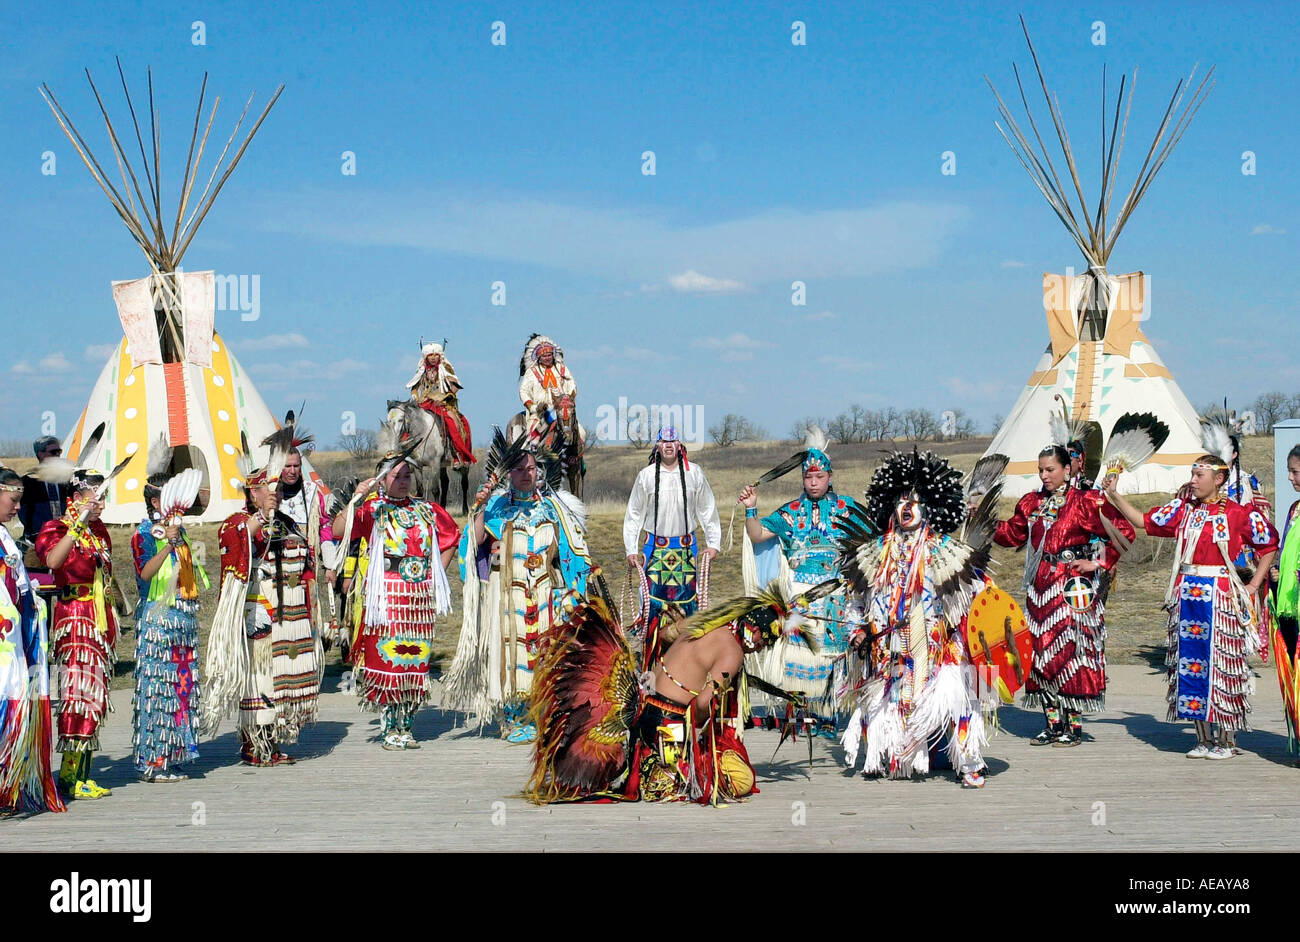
(444, 485)
(464, 489)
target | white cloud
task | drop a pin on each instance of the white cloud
(1012, 263)
(55, 363)
(821, 316)
(692, 282)
(99, 352)
(734, 348)
(609, 356)
(22, 368)
(1266, 229)
(276, 342)
(980, 391)
(641, 246)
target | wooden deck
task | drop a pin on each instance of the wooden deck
(1130, 789)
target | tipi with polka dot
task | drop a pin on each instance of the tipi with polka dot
(171, 375)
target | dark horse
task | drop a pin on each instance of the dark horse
(566, 438)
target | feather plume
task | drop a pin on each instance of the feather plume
(784, 468)
(1216, 437)
(88, 455)
(160, 456)
(1133, 440)
(500, 458)
(282, 442)
(56, 470)
(816, 438)
(1065, 430)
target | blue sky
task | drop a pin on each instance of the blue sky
(522, 164)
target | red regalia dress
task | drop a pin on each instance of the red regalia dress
(1069, 636)
(1213, 626)
(84, 631)
(405, 588)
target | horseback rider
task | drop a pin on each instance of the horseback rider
(544, 381)
(434, 388)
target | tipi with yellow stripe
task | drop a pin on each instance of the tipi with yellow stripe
(171, 375)
(1098, 361)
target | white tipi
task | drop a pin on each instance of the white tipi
(171, 374)
(1098, 360)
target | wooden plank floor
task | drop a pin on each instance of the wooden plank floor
(1130, 789)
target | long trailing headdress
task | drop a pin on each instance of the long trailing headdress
(529, 356)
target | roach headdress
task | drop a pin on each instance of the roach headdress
(936, 484)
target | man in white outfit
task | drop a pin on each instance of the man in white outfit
(670, 500)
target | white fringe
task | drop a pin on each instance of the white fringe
(376, 591)
(465, 685)
(227, 656)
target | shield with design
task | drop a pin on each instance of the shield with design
(1079, 593)
(998, 635)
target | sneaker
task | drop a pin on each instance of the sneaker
(1219, 752)
(282, 758)
(170, 776)
(972, 780)
(251, 758)
(1070, 738)
(98, 787)
(1199, 751)
(392, 742)
(1045, 737)
(87, 791)
(408, 741)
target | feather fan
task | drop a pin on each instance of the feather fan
(986, 475)
(179, 493)
(1133, 440)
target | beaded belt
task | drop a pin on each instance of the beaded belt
(77, 592)
(1189, 569)
(1069, 554)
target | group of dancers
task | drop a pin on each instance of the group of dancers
(873, 622)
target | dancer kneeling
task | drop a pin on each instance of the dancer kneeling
(606, 735)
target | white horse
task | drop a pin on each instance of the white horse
(407, 422)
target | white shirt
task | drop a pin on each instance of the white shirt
(641, 507)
